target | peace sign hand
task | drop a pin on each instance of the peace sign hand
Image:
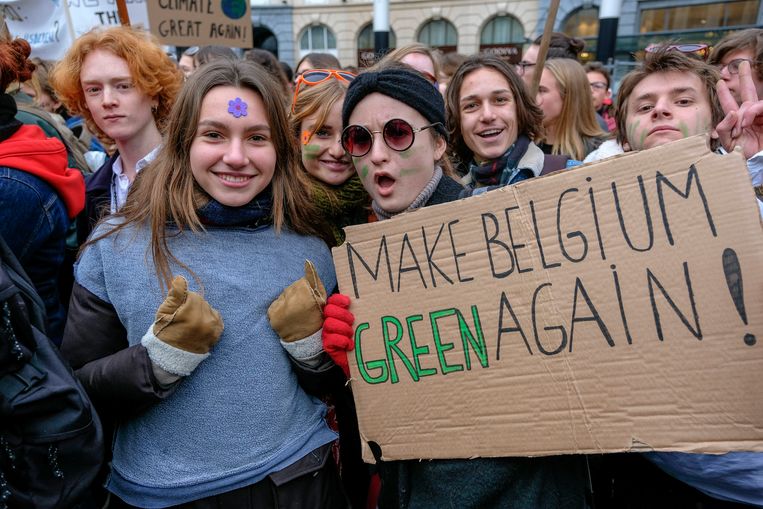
(743, 124)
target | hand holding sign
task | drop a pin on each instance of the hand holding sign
(337, 330)
(743, 124)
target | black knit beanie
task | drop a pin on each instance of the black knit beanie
(406, 86)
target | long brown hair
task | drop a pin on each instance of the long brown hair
(167, 191)
(577, 118)
(529, 116)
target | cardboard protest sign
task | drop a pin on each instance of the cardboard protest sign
(613, 307)
(201, 22)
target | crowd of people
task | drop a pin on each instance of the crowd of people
(215, 355)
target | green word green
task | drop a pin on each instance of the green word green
(393, 332)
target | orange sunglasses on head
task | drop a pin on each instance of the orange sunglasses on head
(316, 76)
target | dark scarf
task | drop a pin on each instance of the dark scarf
(8, 122)
(257, 212)
(342, 205)
(499, 172)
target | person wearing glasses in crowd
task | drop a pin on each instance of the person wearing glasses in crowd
(669, 96)
(731, 51)
(123, 84)
(569, 119)
(493, 123)
(601, 91)
(185, 352)
(316, 121)
(419, 56)
(398, 140)
(560, 46)
(341, 200)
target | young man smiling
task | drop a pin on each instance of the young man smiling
(669, 97)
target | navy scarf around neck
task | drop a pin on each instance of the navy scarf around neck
(257, 212)
(499, 172)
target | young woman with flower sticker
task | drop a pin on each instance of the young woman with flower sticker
(316, 120)
(209, 409)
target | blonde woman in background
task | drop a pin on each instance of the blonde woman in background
(564, 95)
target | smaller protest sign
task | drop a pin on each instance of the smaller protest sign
(201, 22)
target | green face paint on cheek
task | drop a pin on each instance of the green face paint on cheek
(311, 151)
(405, 154)
(364, 172)
(631, 130)
(408, 171)
(683, 128)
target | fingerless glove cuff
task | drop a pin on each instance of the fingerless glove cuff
(171, 359)
(305, 349)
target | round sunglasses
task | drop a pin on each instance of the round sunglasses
(398, 135)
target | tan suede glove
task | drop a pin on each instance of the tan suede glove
(298, 312)
(186, 321)
(185, 330)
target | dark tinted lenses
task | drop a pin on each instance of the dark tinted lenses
(314, 76)
(357, 140)
(398, 134)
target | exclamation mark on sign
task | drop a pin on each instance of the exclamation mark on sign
(734, 281)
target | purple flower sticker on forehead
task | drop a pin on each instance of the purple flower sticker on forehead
(237, 107)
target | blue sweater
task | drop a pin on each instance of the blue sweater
(241, 414)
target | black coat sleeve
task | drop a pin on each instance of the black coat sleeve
(320, 381)
(118, 378)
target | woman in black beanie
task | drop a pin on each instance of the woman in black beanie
(395, 130)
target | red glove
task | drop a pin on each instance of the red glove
(337, 330)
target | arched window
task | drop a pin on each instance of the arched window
(317, 38)
(263, 38)
(366, 51)
(583, 23)
(503, 30)
(503, 37)
(439, 33)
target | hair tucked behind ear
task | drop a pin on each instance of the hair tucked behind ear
(166, 191)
